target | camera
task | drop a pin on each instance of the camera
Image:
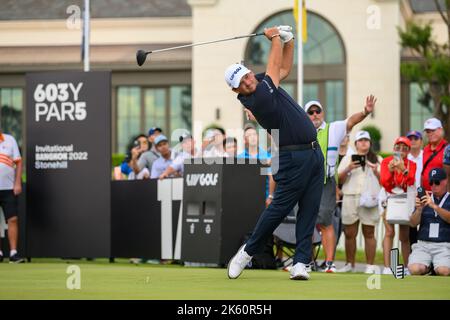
(361, 159)
(136, 143)
(421, 192)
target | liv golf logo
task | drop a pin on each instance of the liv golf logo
(204, 179)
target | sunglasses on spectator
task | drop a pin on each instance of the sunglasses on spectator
(435, 182)
(399, 147)
(414, 138)
(317, 111)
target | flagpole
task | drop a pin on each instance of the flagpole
(86, 31)
(300, 52)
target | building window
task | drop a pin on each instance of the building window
(335, 100)
(140, 108)
(180, 107)
(324, 62)
(11, 111)
(421, 6)
(419, 109)
(155, 109)
(128, 115)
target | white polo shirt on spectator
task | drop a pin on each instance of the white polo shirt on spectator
(336, 133)
(419, 166)
(9, 158)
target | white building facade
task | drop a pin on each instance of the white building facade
(352, 51)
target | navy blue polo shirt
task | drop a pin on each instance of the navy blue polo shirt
(428, 216)
(273, 108)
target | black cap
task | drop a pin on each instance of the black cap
(437, 174)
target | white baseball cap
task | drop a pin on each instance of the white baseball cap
(362, 135)
(432, 124)
(313, 103)
(234, 74)
(211, 133)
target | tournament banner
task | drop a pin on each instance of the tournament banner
(68, 161)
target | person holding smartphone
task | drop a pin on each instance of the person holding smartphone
(397, 174)
(416, 155)
(355, 172)
(136, 147)
(433, 215)
(212, 145)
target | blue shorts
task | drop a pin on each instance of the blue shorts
(447, 155)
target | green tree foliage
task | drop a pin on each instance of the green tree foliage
(429, 65)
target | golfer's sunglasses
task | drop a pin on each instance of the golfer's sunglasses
(317, 111)
(435, 182)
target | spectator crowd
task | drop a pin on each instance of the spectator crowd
(408, 188)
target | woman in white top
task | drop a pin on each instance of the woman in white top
(360, 179)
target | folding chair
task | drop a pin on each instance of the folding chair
(285, 239)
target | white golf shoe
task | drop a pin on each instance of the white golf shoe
(347, 268)
(387, 270)
(298, 272)
(372, 269)
(238, 262)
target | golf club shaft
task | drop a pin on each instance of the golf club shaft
(207, 42)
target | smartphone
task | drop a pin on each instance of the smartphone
(397, 156)
(421, 192)
(361, 159)
(136, 143)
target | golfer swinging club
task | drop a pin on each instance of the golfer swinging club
(301, 170)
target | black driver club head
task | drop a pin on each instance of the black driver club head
(141, 55)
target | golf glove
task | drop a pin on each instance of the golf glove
(284, 28)
(285, 33)
(286, 36)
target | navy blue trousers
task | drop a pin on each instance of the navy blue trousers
(299, 180)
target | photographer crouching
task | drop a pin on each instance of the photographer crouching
(433, 214)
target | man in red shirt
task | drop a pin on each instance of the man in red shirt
(433, 153)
